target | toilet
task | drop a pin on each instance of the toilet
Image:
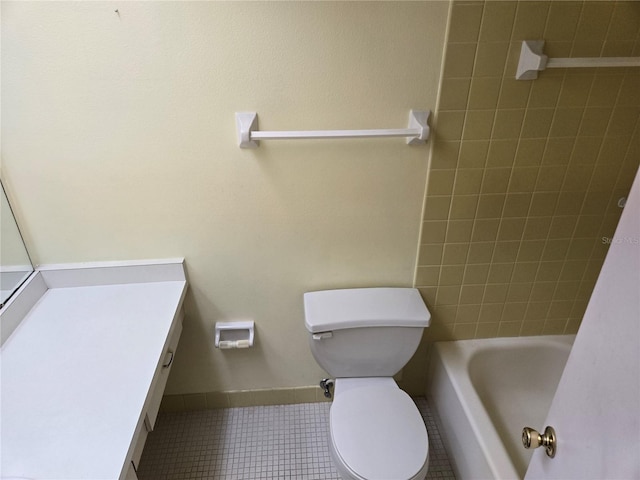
(362, 337)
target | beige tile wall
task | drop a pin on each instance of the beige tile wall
(525, 175)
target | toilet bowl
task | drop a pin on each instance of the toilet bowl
(376, 432)
(363, 337)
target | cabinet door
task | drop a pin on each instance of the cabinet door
(163, 374)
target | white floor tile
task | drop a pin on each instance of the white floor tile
(251, 443)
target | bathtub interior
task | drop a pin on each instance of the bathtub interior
(484, 391)
(516, 385)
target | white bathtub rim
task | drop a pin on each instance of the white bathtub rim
(482, 427)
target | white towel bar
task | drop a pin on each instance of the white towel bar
(532, 61)
(249, 136)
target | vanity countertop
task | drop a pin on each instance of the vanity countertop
(76, 374)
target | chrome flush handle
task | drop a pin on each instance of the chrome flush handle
(322, 335)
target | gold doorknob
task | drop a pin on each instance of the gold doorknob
(532, 439)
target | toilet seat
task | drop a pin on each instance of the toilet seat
(378, 433)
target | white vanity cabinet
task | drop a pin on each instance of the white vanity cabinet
(85, 368)
(150, 413)
(152, 405)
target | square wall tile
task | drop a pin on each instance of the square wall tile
(487, 330)
(543, 204)
(530, 21)
(431, 254)
(428, 276)
(501, 272)
(437, 207)
(517, 204)
(594, 22)
(463, 207)
(441, 182)
(519, 292)
(604, 90)
(449, 125)
(496, 293)
(511, 229)
(545, 92)
(514, 93)
(626, 20)
(566, 122)
(434, 231)
(459, 59)
(485, 229)
(550, 178)
(497, 21)
(491, 59)
(465, 22)
(495, 180)
(506, 251)
(531, 251)
(455, 253)
(476, 274)
(448, 295)
(480, 252)
(556, 249)
(484, 93)
(502, 153)
(454, 94)
(537, 122)
(558, 151)
(537, 228)
(549, 271)
(490, 206)
(508, 124)
(530, 151)
(525, 272)
(468, 181)
(459, 231)
(562, 20)
(451, 274)
(471, 294)
(575, 90)
(478, 124)
(514, 312)
(468, 314)
(473, 154)
(523, 179)
(445, 154)
(509, 329)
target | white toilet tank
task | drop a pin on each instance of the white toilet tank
(364, 332)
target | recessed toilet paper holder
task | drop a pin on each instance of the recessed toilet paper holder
(234, 334)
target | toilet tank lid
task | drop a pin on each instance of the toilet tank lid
(364, 307)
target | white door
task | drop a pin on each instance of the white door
(596, 409)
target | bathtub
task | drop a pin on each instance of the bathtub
(485, 391)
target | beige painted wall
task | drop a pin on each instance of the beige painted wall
(119, 143)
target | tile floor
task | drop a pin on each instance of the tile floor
(250, 443)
